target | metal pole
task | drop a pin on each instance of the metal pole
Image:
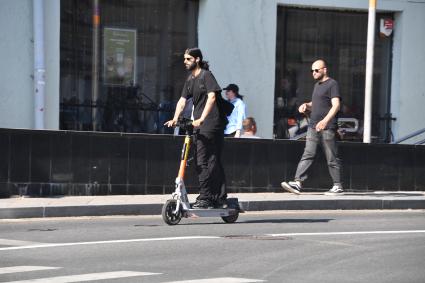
(369, 72)
(95, 62)
(39, 68)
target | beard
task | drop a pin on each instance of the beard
(191, 67)
(319, 77)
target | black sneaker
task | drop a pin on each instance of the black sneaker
(203, 204)
(292, 187)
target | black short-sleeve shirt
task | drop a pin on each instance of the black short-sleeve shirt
(322, 102)
(198, 88)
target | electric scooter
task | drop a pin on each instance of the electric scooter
(178, 206)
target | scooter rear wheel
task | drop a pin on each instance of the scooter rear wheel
(168, 214)
(230, 218)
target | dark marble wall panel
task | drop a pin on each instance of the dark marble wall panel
(118, 190)
(383, 167)
(259, 164)
(172, 148)
(156, 154)
(33, 190)
(355, 165)
(61, 157)
(227, 159)
(20, 144)
(154, 190)
(80, 158)
(4, 157)
(100, 148)
(281, 162)
(118, 151)
(43, 163)
(14, 189)
(419, 169)
(406, 168)
(62, 189)
(136, 189)
(346, 166)
(5, 191)
(137, 168)
(237, 159)
(293, 153)
(40, 157)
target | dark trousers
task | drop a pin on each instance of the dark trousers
(208, 148)
(326, 138)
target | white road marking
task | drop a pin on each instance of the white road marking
(348, 233)
(9, 242)
(86, 277)
(221, 280)
(109, 242)
(204, 237)
(24, 268)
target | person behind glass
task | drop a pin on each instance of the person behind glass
(234, 127)
(209, 125)
(249, 128)
(323, 109)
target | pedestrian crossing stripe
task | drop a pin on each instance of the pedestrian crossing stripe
(86, 277)
(11, 242)
(105, 276)
(24, 268)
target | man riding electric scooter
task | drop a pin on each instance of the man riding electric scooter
(209, 121)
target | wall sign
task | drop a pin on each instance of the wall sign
(119, 56)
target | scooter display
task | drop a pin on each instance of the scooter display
(178, 206)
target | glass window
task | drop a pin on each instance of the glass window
(339, 37)
(121, 62)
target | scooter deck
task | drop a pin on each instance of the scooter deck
(211, 212)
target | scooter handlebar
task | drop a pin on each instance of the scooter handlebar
(185, 124)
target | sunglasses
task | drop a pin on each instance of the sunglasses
(316, 70)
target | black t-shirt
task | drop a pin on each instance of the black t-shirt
(322, 95)
(198, 88)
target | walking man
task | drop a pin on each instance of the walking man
(208, 125)
(323, 107)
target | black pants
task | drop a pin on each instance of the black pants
(208, 148)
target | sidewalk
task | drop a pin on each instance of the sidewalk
(68, 206)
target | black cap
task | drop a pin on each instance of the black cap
(232, 87)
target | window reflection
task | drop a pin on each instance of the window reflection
(339, 37)
(139, 67)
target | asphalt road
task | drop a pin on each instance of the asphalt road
(319, 246)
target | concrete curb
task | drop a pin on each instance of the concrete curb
(261, 205)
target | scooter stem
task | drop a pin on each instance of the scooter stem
(184, 156)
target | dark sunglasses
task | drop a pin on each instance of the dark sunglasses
(315, 70)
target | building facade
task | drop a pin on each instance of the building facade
(116, 65)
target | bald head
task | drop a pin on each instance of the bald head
(319, 64)
(319, 70)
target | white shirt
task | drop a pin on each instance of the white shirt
(237, 116)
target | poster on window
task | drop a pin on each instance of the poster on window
(119, 56)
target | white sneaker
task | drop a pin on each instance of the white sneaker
(292, 187)
(336, 190)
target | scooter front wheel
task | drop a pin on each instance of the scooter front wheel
(168, 214)
(231, 218)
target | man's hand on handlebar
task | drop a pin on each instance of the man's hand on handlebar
(170, 123)
(196, 123)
